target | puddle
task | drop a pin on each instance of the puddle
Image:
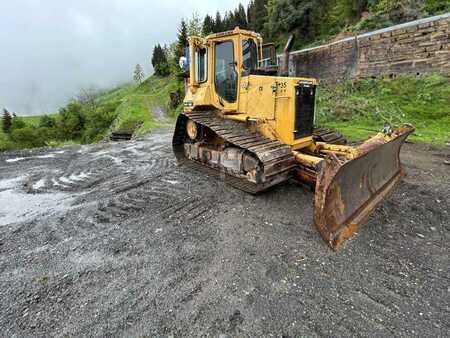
(65, 180)
(80, 177)
(18, 206)
(39, 184)
(16, 159)
(171, 181)
(56, 183)
(51, 155)
(45, 156)
(10, 182)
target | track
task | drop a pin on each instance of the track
(328, 136)
(276, 158)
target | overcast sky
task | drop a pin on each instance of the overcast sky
(49, 49)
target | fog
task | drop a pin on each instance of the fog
(50, 49)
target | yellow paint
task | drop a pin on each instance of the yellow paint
(267, 101)
(307, 160)
(191, 128)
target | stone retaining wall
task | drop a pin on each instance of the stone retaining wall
(412, 48)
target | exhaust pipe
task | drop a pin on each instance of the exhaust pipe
(287, 50)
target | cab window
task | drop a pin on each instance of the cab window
(249, 56)
(269, 57)
(201, 64)
(225, 77)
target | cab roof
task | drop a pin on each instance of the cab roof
(235, 31)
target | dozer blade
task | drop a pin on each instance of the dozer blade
(348, 192)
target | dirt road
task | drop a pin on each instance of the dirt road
(114, 239)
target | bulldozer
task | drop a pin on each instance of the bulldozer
(247, 122)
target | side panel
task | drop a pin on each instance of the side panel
(284, 118)
(243, 94)
(261, 97)
(286, 105)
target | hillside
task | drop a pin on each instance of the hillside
(316, 21)
(135, 108)
(359, 109)
(143, 107)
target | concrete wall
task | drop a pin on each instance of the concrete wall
(413, 48)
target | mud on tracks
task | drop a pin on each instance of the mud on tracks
(115, 239)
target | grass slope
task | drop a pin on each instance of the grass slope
(359, 109)
(145, 107)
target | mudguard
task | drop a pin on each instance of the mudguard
(347, 192)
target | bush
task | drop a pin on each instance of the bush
(28, 137)
(399, 11)
(99, 121)
(18, 123)
(71, 122)
(5, 142)
(162, 69)
(47, 121)
(437, 6)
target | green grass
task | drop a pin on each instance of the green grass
(356, 108)
(139, 107)
(138, 104)
(359, 109)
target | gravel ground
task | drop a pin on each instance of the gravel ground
(114, 239)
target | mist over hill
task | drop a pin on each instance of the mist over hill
(50, 49)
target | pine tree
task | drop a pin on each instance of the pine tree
(240, 17)
(293, 15)
(157, 55)
(159, 61)
(138, 73)
(208, 25)
(251, 15)
(257, 14)
(218, 25)
(6, 121)
(228, 21)
(182, 41)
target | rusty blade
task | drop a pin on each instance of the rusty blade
(348, 192)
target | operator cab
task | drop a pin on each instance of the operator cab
(234, 74)
(218, 62)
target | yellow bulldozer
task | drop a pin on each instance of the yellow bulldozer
(254, 128)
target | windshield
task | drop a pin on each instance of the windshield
(225, 72)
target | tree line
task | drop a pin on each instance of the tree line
(310, 20)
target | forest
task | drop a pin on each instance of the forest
(312, 21)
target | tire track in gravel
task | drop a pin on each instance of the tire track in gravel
(147, 248)
(168, 195)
